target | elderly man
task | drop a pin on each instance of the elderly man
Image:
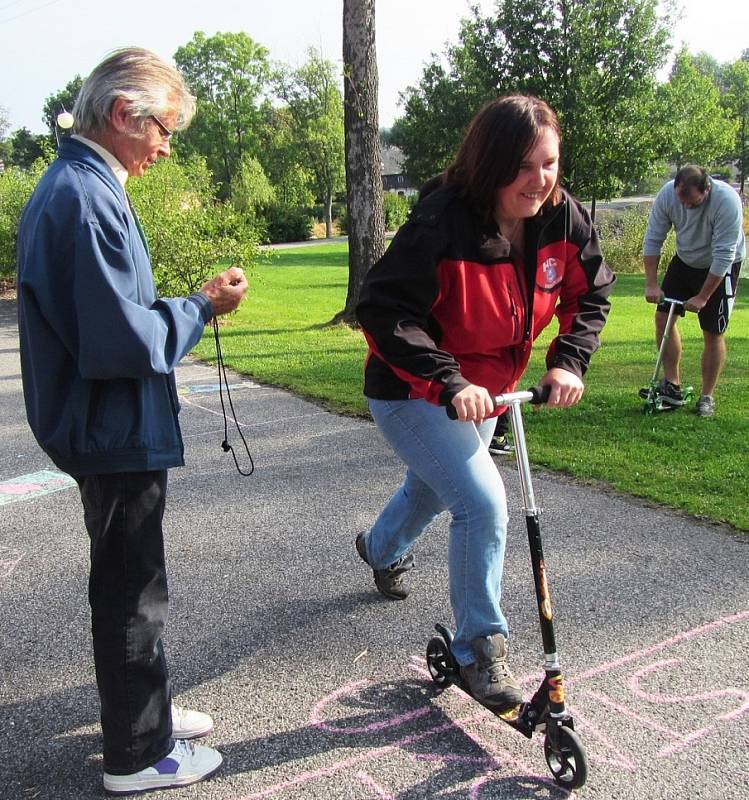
(98, 351)
(707, 217)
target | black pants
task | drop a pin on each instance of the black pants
(502, 427)
(128, 595)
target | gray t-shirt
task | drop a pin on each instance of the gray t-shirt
(710, 235)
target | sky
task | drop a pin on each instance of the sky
(45, 43)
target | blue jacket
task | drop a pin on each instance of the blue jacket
(98, 347)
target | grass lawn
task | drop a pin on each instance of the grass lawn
(280, 336)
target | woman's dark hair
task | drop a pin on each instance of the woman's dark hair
(498, 138)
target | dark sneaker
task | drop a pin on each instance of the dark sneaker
(656, 389)
(705, 406)
(389, 581)
(670, 395)
(187, 763)
(500, 446)
(489, 678)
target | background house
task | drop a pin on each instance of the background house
(393, 178)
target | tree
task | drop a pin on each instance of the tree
(595, 63)
(316, 115)
(228, 73)
(64, 100)
(699, 130)
(4, 128)
(27, 147)
(736, 77)
(292, 182)
(366, 223)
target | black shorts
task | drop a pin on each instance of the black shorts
(682, 282)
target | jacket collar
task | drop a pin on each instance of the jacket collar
(75, 150)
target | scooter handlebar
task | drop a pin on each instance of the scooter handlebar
(536, 396)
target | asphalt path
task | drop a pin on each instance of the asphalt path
(317, 685)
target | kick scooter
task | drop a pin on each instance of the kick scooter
(545, 712)
(651, 393)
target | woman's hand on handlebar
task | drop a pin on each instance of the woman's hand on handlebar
(566, 388)
(473, 404)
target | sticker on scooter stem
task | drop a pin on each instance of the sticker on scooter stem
(545, 596)
(556, 689)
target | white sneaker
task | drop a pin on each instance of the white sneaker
(187, 724)
(187, 763)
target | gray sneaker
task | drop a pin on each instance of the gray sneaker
(489, 678)
(705, 406)
(186, 764)
(389, 581)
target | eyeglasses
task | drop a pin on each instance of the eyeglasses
(166, 134)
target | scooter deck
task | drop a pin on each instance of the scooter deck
(509, 715)
(653, 402)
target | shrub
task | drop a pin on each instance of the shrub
(621, 235)
(288, 224)
(396, 210)
(187, 231)
(16, 186)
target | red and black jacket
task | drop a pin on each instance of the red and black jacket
(447, 305)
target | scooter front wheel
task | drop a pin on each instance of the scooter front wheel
(440, 662)
(567, 760)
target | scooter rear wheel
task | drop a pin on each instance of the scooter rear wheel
(440, 662)
(567, 762)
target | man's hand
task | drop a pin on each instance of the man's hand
(699, 301)
(225, 290)
(653, 294)
(566, 387)
(473, 404)
(696, 303)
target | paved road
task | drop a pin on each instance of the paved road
(317, 685)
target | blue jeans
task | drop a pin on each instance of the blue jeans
(449, 468)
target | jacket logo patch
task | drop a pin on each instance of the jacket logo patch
(549, 275)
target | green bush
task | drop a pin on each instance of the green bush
(16, 186)
(621, 235)
(188, 232)
(342, 219)
(288, 224)
(396, 210)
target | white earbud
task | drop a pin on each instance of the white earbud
(65, 120)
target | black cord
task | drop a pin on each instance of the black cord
(222, 381)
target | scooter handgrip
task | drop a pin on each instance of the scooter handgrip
(452, 412)
(540, 394)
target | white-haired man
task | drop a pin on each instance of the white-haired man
(98, 351)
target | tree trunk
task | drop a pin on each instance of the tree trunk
(329, 216)
(366, 224)
(593, 209)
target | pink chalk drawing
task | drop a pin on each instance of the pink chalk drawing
(374, 788)
(612, 693)
(19, 488)
(9, 558)
(685, 740)
(36, 484)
